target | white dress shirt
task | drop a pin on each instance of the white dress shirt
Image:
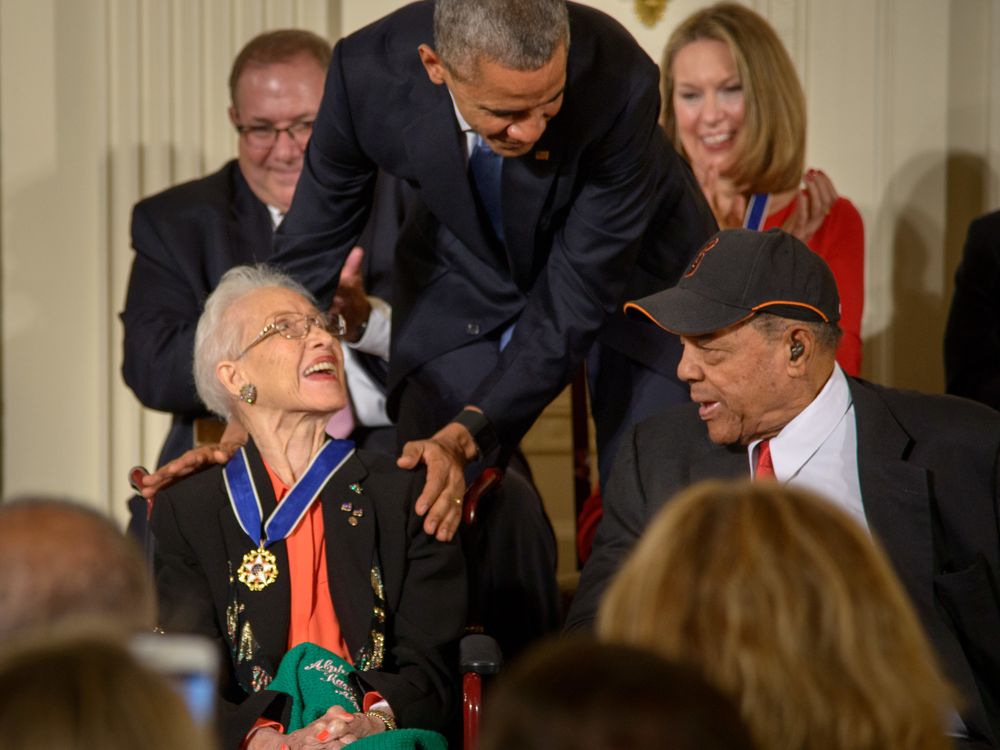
(818, 449)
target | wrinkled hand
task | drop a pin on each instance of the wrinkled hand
(339, 726)
(728, 204)
(350, 299)
(814, 203)
(335, 729)
(192, 461)
(445, 454)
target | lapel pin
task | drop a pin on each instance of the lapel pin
(346, 507)
(352, 520)
(355, 488)
(358, 512)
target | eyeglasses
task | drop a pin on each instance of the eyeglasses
(297, 326)
(265, 136)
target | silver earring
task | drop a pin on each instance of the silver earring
(248, 393)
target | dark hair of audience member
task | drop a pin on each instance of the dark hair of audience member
(578, 694)
(79, 690)
(278, 46)
(788, 605)
(60, 560)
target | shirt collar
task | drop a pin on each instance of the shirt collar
(799, 440)
(277, 215)
(470, 134)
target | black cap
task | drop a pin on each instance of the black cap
(739, 273)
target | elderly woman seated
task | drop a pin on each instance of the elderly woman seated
(301, 545)
(787, 605)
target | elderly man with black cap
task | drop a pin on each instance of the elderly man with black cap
(757, 315)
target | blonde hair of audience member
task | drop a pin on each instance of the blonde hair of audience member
(578, 694)
(82, 691)
(772, 150)
(785, 603)
(60, 561)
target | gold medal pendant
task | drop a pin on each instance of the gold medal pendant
(259, 569)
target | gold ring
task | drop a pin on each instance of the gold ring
(458, 500)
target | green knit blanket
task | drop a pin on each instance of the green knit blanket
(317, 679)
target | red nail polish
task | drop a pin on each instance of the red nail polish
(322, 735)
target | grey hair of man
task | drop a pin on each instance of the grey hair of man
(62, 562)
(771, 327)
(516, 34)
(220, 338)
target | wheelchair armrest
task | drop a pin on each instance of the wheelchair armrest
(484, 484)
(479, 654)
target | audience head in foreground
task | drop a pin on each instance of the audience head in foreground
(76, 690)
(338, 571)
(578, 694)
(61, 561)
(785, 603)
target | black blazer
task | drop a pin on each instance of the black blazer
(185, 239)
(929, 483)
(600, 208)
(199, 546)
(972, 338)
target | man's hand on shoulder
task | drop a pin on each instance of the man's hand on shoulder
(445, 454)
(192, 461)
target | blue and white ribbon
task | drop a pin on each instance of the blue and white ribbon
(245, 501)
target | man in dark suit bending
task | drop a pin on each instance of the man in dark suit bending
(757, 316)
(543, 192)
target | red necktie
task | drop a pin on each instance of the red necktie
(765, 469)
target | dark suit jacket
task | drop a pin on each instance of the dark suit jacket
(929, 472)
(576, 212)
(972, 338)
(200, 545)
(185, 239)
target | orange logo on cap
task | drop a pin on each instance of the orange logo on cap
(701, 254)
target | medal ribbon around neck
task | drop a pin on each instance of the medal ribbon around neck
(259, 566)
(756, 211)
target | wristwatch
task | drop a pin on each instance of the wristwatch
(482, 430)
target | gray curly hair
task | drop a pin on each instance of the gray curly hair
(217, 339)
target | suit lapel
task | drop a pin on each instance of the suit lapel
(350, 550)
(250, 227)
(895, 494)
(524, 188)
(434, 147)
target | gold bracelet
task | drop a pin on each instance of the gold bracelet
(390, 723)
